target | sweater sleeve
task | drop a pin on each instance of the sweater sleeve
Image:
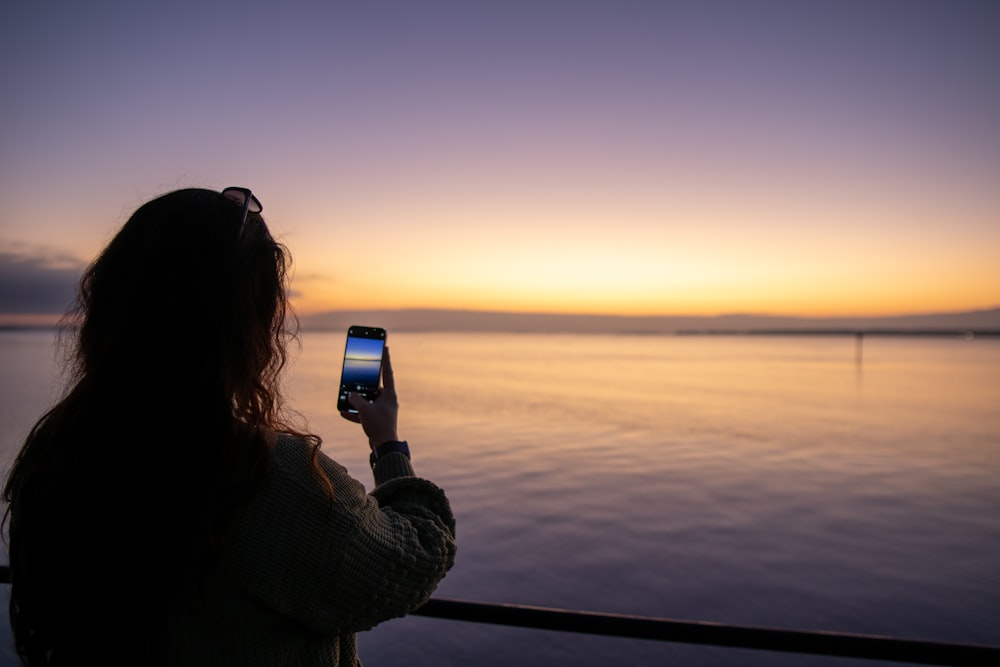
(343, 564)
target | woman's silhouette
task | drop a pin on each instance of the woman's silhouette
(166, 511)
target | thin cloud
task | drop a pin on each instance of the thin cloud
(36, 284)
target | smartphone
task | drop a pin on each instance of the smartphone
(362, 365)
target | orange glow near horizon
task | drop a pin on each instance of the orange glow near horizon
(590, 306)
(796, 261)
(809, 301)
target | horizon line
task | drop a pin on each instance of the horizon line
(982, 321)
(673, 315)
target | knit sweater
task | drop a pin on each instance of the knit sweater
(301, 574)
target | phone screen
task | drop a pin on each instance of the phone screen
(362, 364)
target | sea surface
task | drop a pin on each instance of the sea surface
(788, 481)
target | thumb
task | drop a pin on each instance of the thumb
(357, 401)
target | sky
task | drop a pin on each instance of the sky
(616, 157)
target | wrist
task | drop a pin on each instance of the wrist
(387, 447)
(379, 439)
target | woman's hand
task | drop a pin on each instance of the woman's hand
(378, 417)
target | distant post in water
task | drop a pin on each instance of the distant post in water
(859, 338)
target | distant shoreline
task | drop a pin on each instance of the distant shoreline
(975, 323)
(967, 324)
(28, 327)
(903, 333)
(967, 334)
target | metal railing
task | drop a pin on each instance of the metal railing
(870, 647)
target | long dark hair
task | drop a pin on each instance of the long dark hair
(125, 487)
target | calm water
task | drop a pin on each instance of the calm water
(751, 480)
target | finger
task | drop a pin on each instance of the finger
(357, 401)
(351, 416)
(388, 380)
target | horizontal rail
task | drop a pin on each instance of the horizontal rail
(872, 647)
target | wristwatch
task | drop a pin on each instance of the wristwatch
(386, 447)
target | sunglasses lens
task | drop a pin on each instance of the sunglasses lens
(234, 195)
(239, 196)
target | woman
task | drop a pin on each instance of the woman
(165, 511)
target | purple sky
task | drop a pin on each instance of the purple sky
(655, 157)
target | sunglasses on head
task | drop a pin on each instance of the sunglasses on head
(245, 199)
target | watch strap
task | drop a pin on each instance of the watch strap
(388, 447)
